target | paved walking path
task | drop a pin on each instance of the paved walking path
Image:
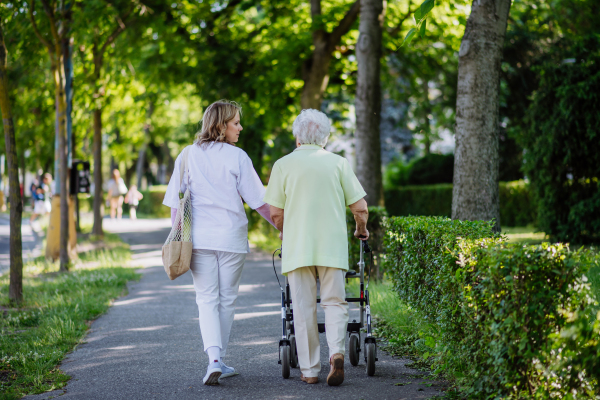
(148, 346)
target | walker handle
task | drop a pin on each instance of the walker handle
(365, 244)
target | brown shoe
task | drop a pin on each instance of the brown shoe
(336, 374)
(310, 380)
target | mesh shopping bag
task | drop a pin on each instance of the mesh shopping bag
(177, 250)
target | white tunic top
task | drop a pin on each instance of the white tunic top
(220, 176)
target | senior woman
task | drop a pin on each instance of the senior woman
(309, 189)
(219, 174)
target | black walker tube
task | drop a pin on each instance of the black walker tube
(283, 316)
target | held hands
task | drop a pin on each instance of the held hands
(362, 234)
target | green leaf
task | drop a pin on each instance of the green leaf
(417, 16)
(426, 7)
(423, 28)
(409, 37)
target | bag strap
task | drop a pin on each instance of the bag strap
(182, 169)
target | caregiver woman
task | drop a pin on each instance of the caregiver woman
(219, 173)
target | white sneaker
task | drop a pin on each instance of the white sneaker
(213, 373)
(227, 371)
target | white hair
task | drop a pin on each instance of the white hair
(311, 127)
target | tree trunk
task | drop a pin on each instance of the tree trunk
(139, 168)
(315, 70)
(97, 150)
(23, 172)
(316, 75)
(15, 290)
(61, 102)
(426, 123)
(368, 100)
(142, 153)
(475, 194)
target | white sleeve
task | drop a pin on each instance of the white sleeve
(249, 185)
(172, 195)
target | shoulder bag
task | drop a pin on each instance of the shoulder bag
(177, 250)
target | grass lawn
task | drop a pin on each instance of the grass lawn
(406, 333)
(55, 315)
(524, 235)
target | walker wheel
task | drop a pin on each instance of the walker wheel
(284, 354)
(370, 356)
(293, 352)
(354, 350)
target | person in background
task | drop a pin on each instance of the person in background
(133, 198)
(48, 186)
(116, 191)
(309, 191)
(41, 194)
(33, 189)
(219, 175)
(39, 203)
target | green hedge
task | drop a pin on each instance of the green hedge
(503, 312)
(517, 207)
(151, 205)
(427, 170)
(431, 200)
(520, 299)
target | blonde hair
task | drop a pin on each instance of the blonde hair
(214, 122)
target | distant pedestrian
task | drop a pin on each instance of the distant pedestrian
(33, 189)
(116, 191)
(47, 181)
(133, 198)
(218, 173)
(42, 195)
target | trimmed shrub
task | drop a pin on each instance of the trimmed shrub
(517, 207)
(151, 205)
(431, 169)
(519, 298)
(430, 200)
(421, 260)
(395, 174)
(504, 312)
(427, 170)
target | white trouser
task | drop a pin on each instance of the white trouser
(217, 277)
(303, 287)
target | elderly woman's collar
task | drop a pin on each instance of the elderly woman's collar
(308, 147)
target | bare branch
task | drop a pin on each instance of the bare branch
(118, 30)
(36, 30)
(396, 30)
(344, 25)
